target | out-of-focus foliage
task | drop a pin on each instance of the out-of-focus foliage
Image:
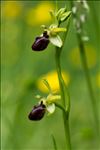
(22, 70)
(40, 13)
(91, 59)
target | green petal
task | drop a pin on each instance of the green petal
(57, 30)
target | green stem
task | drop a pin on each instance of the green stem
(88, 79)
(62, 90)
(61, 107)
(89, 84)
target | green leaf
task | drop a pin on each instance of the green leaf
(56, 40)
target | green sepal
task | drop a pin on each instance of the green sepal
(56, 40)
(50, 108)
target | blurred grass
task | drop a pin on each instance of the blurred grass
(20, 70)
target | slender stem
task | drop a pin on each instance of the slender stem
(58, 67)
(87, 75)
(62, 90)
(61, 107)
(89, 84)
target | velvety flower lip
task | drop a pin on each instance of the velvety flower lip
(37, 112)
(41, 42)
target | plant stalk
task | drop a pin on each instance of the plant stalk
(89, 84)
(88, 79)
(62, 86)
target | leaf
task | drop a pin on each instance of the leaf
(51, 108)
(56, 40)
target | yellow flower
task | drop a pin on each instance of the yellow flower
(11, 9)
(98, 79)
(52, 79)
(39, 14)
(90, 54)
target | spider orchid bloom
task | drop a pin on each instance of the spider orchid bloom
(51, 34)
(46, 104)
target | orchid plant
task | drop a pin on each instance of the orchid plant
(51, 34)
(47, 104)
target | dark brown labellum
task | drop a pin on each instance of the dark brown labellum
(41, 43)
(37, 112)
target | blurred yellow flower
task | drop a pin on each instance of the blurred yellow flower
(98, 79)
(52, 79)
(11, 9)
(39, 14)
(74, 56)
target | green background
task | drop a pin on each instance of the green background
(20, 69)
